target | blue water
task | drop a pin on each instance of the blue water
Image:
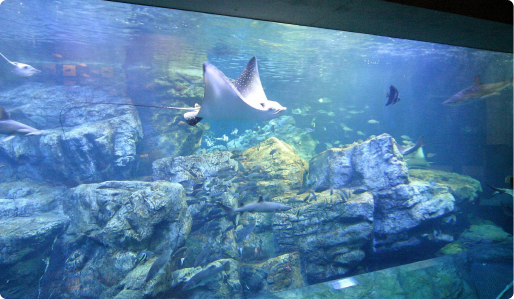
(347, 75)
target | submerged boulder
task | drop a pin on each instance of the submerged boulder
(410, 212)
(31, 221)
(464, 188)
(86, 140)
(115, 222)
(409, 216)
(273, 275)
(376, 164)
(285, 170)
(329, 233)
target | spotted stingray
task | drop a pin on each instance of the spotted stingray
(241, 100)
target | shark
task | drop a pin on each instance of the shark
(260, 206)
(241, 100)
(21, 69)
(12, 128)
(477, 91)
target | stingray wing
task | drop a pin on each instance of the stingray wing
(223, 101)
(249, 85)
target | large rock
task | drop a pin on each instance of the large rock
(85, 141)
(483, 242)
(285, 169)
(188, 168)
(402, 215)
(113, 222)
(221, 284)
(273, 275)
(31, 220)
(375, 163)
(330, 233)
(464, 188)
(409, 214)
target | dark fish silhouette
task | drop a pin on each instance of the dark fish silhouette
(203, 255)
(162, 260)
(203, 275)
(245, 231)
(393, 96)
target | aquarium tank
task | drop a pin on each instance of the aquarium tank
(157, 153)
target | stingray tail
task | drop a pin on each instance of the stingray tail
(191, 118)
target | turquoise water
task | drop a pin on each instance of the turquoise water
(328, 162)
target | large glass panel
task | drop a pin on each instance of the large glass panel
(156, 153)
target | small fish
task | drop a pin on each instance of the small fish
(57, 55)
(201, 276)
(360, 133)
(203, 255)
(307, 197)
(406, 137)
(143, 256)
(359, 191)
(245, 231)
(372, 121)
(256, 175)
(82, 64)
(158, 264)
(85, 75)
(356, 111)
(273, 151)
(292, 199)
(345, 128)
(393, 96)
(430, 155)
(309, 130)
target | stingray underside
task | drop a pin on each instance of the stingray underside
(243, 100)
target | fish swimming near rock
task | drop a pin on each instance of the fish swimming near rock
(241, 100)
(410, 150)
(245, 231)
(393, 96)
(477, 91)
(417, 160)
(12, 128)
(260, 206)
(21, 69)
(201, 277)
(143, 256)
(501, 190)
(159, 263)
